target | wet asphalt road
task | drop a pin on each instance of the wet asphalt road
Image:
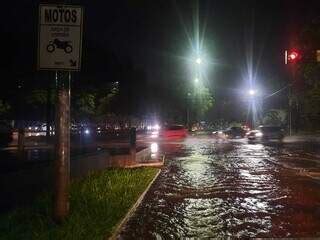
(209, 189)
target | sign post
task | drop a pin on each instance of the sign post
(59, 50)
(62, 161)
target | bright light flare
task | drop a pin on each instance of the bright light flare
(198, 60)
(156, 127)
(154, 148)
(259, 134)
(252, 92)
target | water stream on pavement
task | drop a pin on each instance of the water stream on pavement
(210, 189)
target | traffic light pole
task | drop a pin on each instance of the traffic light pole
(290, 109)
(291, 57)
(293, 80)
(62, 161)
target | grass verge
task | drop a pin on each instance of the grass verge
(97, 203)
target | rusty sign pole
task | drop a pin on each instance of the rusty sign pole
(62, 162)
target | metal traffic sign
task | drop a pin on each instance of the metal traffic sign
(60, 37)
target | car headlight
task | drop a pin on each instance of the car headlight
(259, 134)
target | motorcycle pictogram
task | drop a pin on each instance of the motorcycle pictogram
(56, 43)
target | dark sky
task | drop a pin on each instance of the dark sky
(155, 35)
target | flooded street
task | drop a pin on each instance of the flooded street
(209, 189)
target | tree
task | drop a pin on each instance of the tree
(275, 117)
(104, 103)
(202, 101)
(4, 108)
(93, 104)
(84, 106)
(311, 109)
(309, 76)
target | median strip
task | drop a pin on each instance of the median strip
(98, 203)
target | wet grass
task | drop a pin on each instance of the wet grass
(97, 203)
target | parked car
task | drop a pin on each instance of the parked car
(265, 133)
(174, 131)
(5, 133)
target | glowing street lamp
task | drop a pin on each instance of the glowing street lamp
(198, 60)
(252, 92)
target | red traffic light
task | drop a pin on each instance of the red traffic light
(291, 56)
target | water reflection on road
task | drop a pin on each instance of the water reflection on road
(210, 189)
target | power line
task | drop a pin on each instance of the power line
(276, 92)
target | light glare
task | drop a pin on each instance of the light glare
(154, 148)
(252, 92)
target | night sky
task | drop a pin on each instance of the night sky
(157, 35)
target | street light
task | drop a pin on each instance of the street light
(196, 80)
(252, 92)
(198, 60)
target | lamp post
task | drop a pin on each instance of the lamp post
(252, 93)
(197, 65)
(188, 110)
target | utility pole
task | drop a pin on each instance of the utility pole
(62, 162)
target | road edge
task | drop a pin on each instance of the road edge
(130, 213)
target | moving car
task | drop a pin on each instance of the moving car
(174, 131)
(235, 132)
(265, 133)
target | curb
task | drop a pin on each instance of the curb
(129, 214)
(157, 164)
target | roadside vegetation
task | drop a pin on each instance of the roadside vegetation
(97, 205)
